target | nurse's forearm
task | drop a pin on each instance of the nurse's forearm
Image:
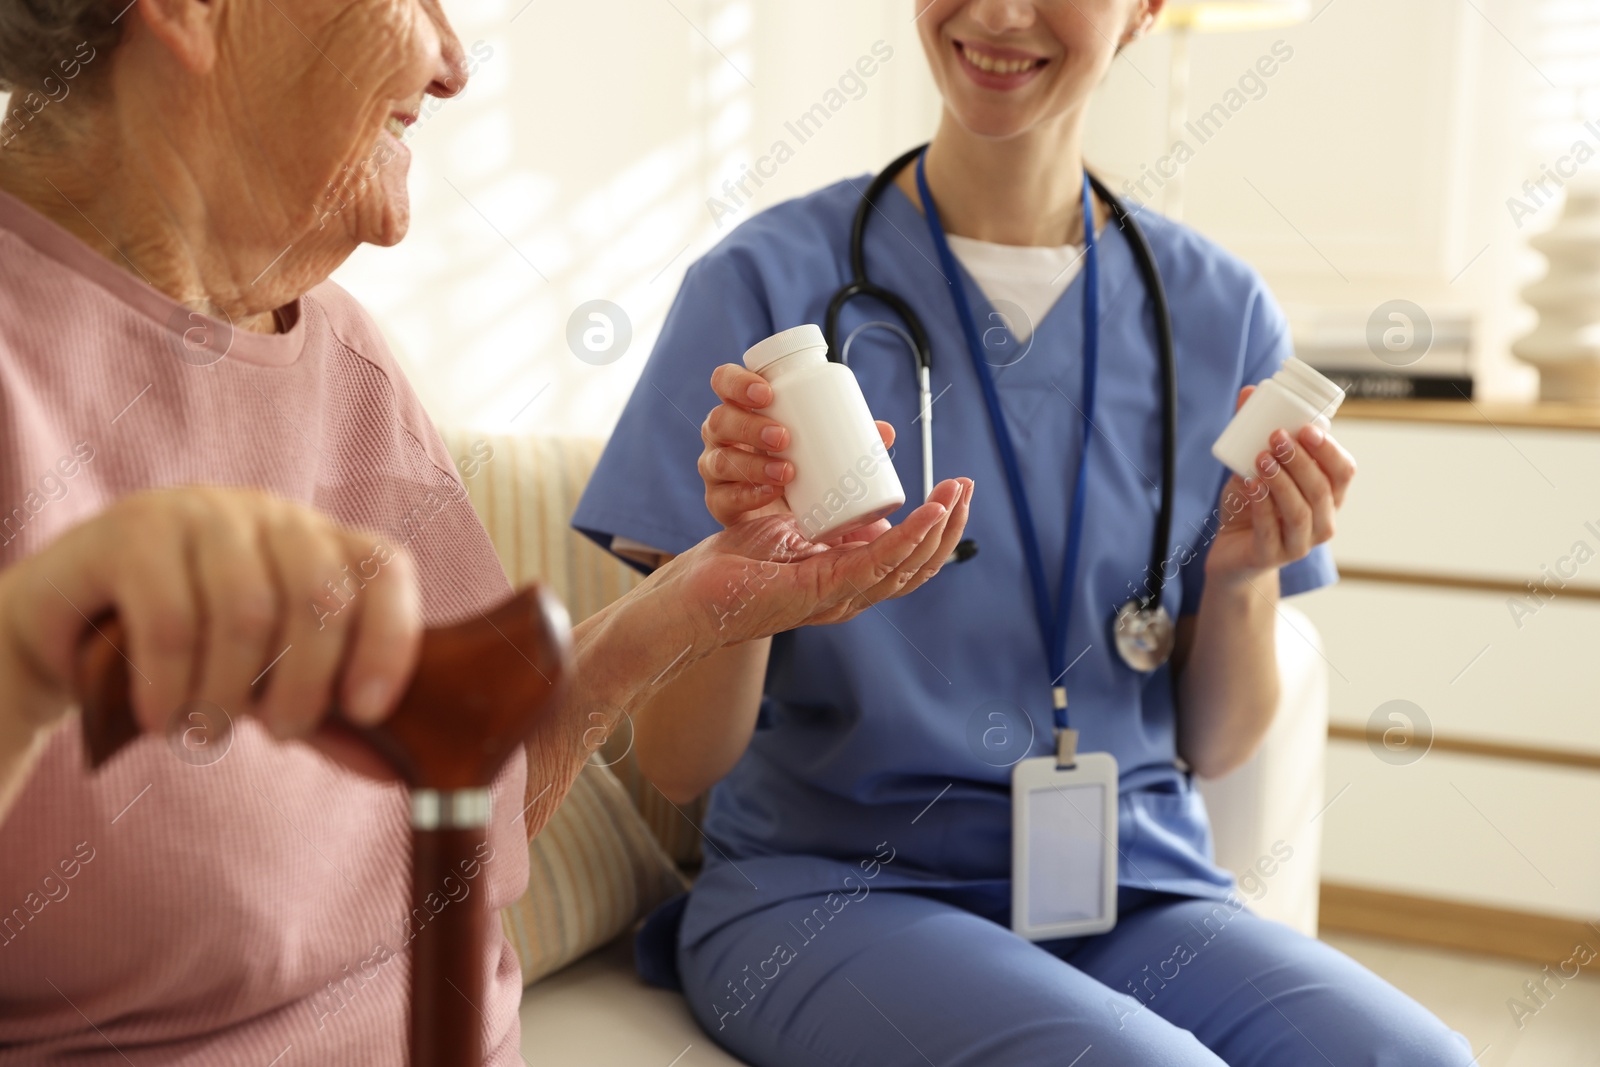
(691, 733)
(1228, 685)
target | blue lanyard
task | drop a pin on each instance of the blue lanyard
(1052, 624)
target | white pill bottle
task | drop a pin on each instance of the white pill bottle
(843, 477)
(1290, 400)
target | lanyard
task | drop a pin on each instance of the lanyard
(1052, 625)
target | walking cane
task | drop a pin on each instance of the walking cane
(480, 690)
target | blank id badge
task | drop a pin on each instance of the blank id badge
(1064, 847)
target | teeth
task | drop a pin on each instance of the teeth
(395, 127)
(996, 66)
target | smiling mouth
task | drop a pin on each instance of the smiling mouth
(996, 64)
(396, 125)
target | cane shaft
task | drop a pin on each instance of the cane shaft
(448, 874)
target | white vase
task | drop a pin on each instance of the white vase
(1566, 344)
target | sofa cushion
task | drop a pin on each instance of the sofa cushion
(596, 868)
(593, 871)
(525, 489)
(597, 1013)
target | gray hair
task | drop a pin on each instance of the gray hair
(42, 39)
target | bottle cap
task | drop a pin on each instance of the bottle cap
(1316, 389)
(764, 354)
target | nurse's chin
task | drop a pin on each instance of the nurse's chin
(997, 123)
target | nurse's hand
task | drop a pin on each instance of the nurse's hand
(762, 577)
(1279, 515)
(742, 476)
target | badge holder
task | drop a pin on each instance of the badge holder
(1064, 843)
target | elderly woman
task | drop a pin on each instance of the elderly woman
(197, 428)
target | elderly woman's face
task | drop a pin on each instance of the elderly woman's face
(323, 90)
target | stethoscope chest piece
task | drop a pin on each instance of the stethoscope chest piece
(1145, 636)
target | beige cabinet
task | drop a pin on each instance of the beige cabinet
(1464, 650)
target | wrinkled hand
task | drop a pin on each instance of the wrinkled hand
(742, 476)
(1279, 515)
(761, 576)
(213, 586)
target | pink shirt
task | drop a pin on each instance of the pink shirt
(250, 910)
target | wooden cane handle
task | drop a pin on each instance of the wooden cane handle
(480, 690)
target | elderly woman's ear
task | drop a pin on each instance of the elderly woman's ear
(187, 28)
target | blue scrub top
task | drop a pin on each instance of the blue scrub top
(866, 723)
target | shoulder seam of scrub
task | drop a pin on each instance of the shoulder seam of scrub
(805, 205)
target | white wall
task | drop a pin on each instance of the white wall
(1376, 165)
(578, 166)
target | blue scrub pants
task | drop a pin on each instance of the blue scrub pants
(905, 979)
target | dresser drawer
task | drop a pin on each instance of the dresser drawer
(1463, 658)
(1497, 833)
(1470, 500)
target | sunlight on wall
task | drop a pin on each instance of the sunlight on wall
(554, 180)
(579, 166)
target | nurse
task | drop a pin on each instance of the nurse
(855, 903)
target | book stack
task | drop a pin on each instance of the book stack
(1396, 351)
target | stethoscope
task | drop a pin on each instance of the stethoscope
(1143, 629)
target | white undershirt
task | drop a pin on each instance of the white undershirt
(1030, 278)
